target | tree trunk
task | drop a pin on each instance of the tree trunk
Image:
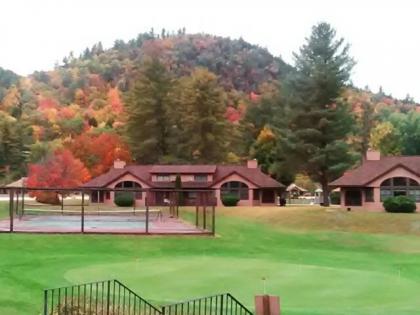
(325, 193)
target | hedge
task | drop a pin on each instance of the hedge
(400, 204)
(230, 200)
(123, 199)
(335, 198)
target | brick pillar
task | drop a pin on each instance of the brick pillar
(267, 305)
(251, 196)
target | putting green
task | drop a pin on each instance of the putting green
(301, 286)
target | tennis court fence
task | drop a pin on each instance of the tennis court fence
(141, 211)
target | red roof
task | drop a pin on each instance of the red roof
(254, 175)
(183, 169)
(219, 172)
(371, 170)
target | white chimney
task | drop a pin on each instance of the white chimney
(252, 163)
(372, 155)
(119, 163)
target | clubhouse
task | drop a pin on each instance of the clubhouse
(247, 182)
(378, 178)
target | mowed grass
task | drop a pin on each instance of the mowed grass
(320, 261)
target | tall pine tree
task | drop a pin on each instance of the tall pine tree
(321, 121)
(147, 113)
(201, 128)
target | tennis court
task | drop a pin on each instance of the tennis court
(28, 215)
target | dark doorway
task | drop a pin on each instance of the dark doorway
(267, 196)
(97, 196)
(353, 198)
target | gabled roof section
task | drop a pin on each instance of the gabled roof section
(139, 171)
(294, 186)
(183, 169)
(19, 183)
(254, 175)
(219, 172)
(371, 170)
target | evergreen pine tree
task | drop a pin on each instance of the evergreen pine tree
(147, 112)
(14, 139)
(321, 121)
(201, 128)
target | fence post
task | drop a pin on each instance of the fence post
(83, 212)
(267, 305)
(16, 206)
(11, 201)
(108, 297)
(213, 220)
(23, 203)
(147, 215)
(163, 310)
(221, 304)
(204, 216)
(45, 302)
(196, 213)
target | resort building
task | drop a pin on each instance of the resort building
(247, 182)
(378, 178)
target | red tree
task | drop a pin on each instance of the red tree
(98, 152)
(61, 170)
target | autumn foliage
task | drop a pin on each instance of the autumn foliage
(98, 152)
(61, 170)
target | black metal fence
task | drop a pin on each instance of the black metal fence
(221, 304)
(109, 297)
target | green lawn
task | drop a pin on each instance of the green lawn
(318, 261)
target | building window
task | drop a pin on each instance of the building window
(191, 195)
(236, 188)
(200, 178)
(369, 194)
(400, 186)
(163, 178)
(129, 185)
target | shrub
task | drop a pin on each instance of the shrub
(47, 197)
(123, 199)
(230, 200)
(400, 204)
(335, 197)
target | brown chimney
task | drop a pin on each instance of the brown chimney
(119, 163)
(252, 163)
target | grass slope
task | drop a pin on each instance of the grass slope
(319, 262)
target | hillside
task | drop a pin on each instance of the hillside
(84, 95)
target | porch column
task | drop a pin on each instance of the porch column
(251, 196)
(342, 197)
(377, 195)
(218, 197)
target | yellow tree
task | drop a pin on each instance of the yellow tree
(384, 137)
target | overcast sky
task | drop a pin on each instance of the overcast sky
(384, 35)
